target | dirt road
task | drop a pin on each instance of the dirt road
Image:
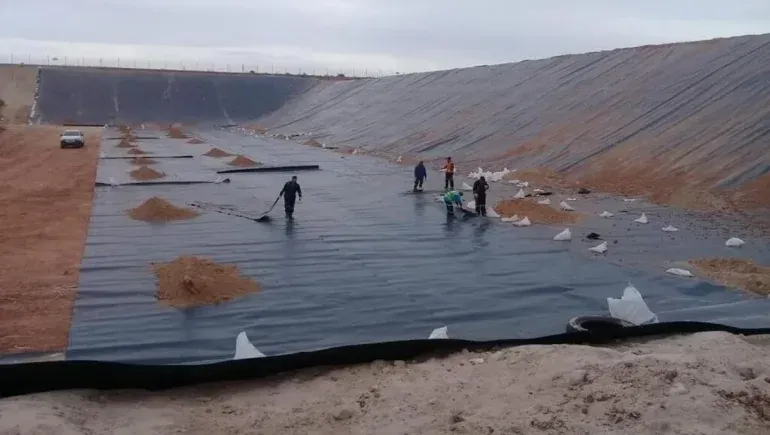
(46, 196)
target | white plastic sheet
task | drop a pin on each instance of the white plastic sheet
(679, 272)
(244, 349)
(544, 201)
(523, 222)
(492, 213)
(641, 219)
(734, 242)
(465, 186)
(564, 236)
(439, 333)
(566, 207)
(513, 218)
(631, 307)
(670, 229)
(606, 214)
(600, 248)
(520, 194)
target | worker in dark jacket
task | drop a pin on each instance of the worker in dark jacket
(289, 192)
(420, 174)
(480, 188)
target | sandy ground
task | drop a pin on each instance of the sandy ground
(46, 194)
(17, 90)
(707, 383)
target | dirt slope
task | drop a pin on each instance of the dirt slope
(46, 195)
(17, 90)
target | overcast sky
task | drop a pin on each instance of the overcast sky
(386, 35)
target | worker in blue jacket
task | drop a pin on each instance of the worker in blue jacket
(420, 174)
(451, 199)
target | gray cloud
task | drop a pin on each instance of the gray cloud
(381, 34)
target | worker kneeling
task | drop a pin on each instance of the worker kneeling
(451, 199)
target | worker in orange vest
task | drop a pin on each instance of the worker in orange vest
(449, 174)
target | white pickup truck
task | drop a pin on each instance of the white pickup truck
(72, 139)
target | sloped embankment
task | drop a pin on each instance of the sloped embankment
(667, 120)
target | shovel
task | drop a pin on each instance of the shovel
(264, 217)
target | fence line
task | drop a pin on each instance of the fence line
(189, 65)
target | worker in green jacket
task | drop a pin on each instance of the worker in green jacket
(451, 199)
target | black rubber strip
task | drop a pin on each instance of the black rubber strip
(272, 169)
(149, 156)
(36, 377)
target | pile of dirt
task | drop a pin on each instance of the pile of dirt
(137, 151)
(216, 152)
(142, 161)
(195, 141)
(175, 132)
(243, 162)
(537, 213)
(736, 273)
(542, 177)
(125, 129)
(146, 173)
(256, 129)
(159, 210)
(191, 281)
(312, 143)
(125, 143)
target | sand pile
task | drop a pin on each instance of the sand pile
(125, 143)
(175, 132)
(313, 143)
(216, 152)
(145, 173)
(537, 213)
(136, 151)
(736, 272)
(243, 162)
(190, 281)
(159, 210)
(195, 141)
(142, 161)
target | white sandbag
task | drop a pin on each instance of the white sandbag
(565, 235)
(102, 155)
(514, 181)
(523, 222)
(606, 214)
(629, 199)
(466, 187)
(523, 184)
(566, 207)
(734, 242)
(599, 249)
(471, 204)
(244, 349)
(520, 194)
(355, 152)
(679, 272)
(631, 307)
(571, 199)
(398, 160)
(113, 182)
(544, 201)
(439, 333)
(641, 219)
(492, 213)
(538, 190)
(513, 218)
(670, 229)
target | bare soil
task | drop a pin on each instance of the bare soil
(195, 141)
(158, 209)
(125, 143)
(736, 273)
(537, 213)
(706, 384)
(136, 151)
(145, 173)
(243, 162)
(46, 196)
(17, 90)
(312, 143)
(190, 281)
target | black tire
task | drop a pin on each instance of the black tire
(596, 323)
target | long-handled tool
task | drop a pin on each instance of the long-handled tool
(229, 212)
(264, 216)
